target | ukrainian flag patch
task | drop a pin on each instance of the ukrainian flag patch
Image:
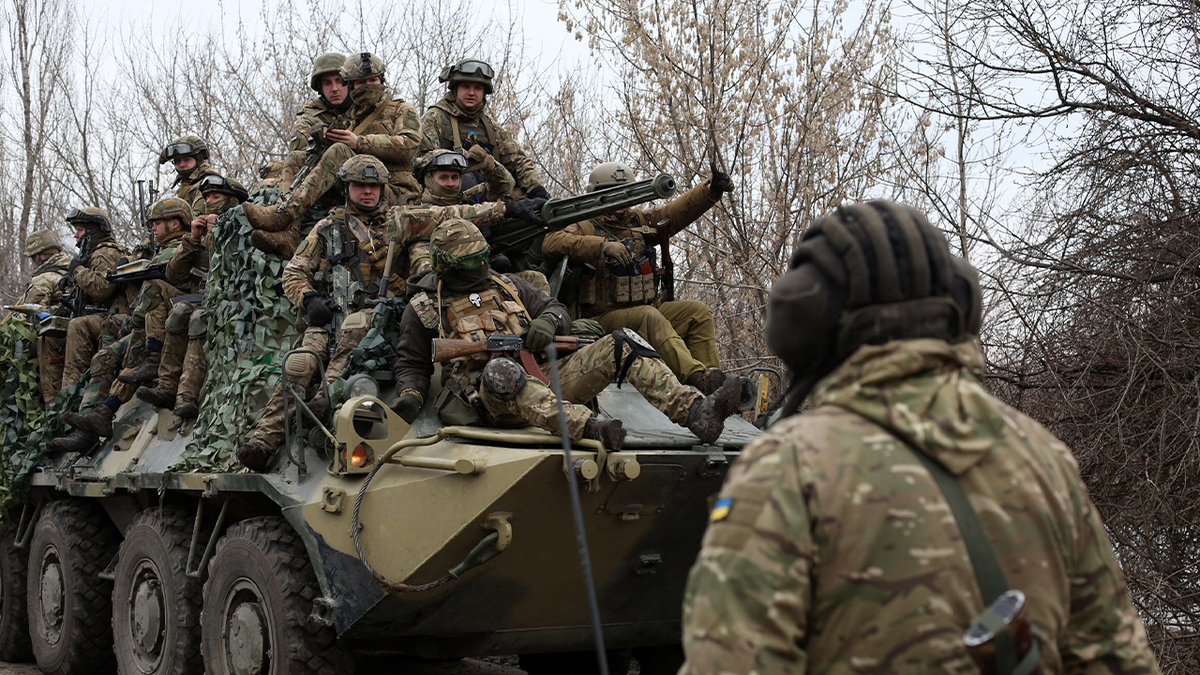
(721, 510)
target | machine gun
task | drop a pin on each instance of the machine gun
(499, 345)
(137, 272)
(317, 145)
(514, 237)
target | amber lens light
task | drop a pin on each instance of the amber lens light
(361, 456)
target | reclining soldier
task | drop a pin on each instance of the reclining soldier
(622, 293)
(50, 264)
(463, 299)
(460, 122)
(183, 367)
(189, 155)
(382, 128)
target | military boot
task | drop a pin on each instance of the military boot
(609, 432)
(144, 373)
(282, 244)
(97, 421)
(77, 441)
(707, 381)
(186, 409)
(706, 418)
(170, 368)
(254, 456)
(319, 405)
(270, 218)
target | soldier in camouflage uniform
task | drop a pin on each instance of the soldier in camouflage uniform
(361, 231)
(622, 293)
(189, 155)
(50, 264)
(329, 109)
(463, 299)
(459, 122)
(382, 128)
(831, 548)
(183, 367)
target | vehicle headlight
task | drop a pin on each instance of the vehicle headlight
(361, 385)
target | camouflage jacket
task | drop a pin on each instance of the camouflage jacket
(438, 131)
(393, 136)
(831, 549)
(638, 228)
(315, 112)
(43, 287)
(187, 255)
(188, 189)
(90, 277)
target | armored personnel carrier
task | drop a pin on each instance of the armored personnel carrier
(156, 553)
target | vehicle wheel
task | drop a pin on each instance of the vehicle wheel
(666, 660)
(576, 663)
(156, 606)
(258, 602)
(70, 606)
(14, 619)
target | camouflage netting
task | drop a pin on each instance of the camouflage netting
(251, 325)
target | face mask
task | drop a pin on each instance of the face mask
(464, 281)
(217, 208)
(441, 195)
(368, 94)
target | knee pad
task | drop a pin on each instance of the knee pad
(198, 324)
(359, 319)
(504, 378)
(300, 365)
(177, 320)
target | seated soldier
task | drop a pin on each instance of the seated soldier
(383, 128)
(622, 292)
(189, 155)
(329, 109)
(50, 264)
(464, 299)
(183, 366)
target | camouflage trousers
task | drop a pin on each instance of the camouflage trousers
(583, 375)
(105, 365)
(195, 370)
(85, 336)
(402, 187)
(51, 357)
(299, 370)
(682, 331)
(154, 304)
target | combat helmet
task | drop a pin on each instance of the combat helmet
(170, 207)
(468, 70)
(226, 186)
(364, 169)
(91, 217)
(184, 146)
(39, 241)
(440, 159)
(330, 62)
(360, 66)
(457, 244)
(609, 174)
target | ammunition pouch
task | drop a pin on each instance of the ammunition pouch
(504, 378)
(631, 284)
(457, 407)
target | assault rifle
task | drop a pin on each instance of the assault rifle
(514, 237)
(146, 194)
(445, 349)
(317, 145)
(137, 272)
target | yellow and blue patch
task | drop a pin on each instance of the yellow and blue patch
(721, 510)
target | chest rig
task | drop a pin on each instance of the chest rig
(463, 133)
(355, 256)
(475, 316)
(616, 285)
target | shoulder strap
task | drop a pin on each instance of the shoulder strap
(491, 130)
(508, 289)
(454, 130)
(370, 118)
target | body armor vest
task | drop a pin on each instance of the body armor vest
(477, 315)
(615, 285)
(355, 258)
(460, 132)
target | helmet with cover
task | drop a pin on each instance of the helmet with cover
(184, 146)
(90, 217)
(457, 244)
(468, 70)
(438, 160)
(361, 66)
(171, 207)
(364, 169)
(222, 185)
(325, 64)
(609, 174)
(40, 241)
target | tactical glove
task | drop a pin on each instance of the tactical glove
(317, 310)
(617, 251)
(540, 332)
(720, 183)
(538, 192)
(65, 280)
(76, 263)
(528, 210)
(479, 155)
(408, 405)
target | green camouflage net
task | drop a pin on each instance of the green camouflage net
(20, 403)
(251, 325)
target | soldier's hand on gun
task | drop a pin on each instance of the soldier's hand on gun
(538, 192)
(76, 263)
(617, 251)
(720, 183)
(65, 281)
(408, 405)
(342, 136)
(528, 210)
(540, 333)
(479, 155)
(317, 310)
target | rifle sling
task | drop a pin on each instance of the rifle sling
(369, 119)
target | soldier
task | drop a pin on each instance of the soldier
(183, 367)
(622, 292)
(464, 299)
(831, 547)
(332, 102)
(458, 122)
(441, 174)
(50, 264)
(189, 154)
(383, 128)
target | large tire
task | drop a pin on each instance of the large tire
(576, 663)
(70, 606)
(14, 618)
(156, 606)
(665, 660)
(258, 602)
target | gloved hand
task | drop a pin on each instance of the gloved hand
(720, 183)
(76, 263)
(65, 280)
(408, 406)
(317, 310)
(479, 155)
(528, 210)
(540, 332)
(538, 192)
(617, 251)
